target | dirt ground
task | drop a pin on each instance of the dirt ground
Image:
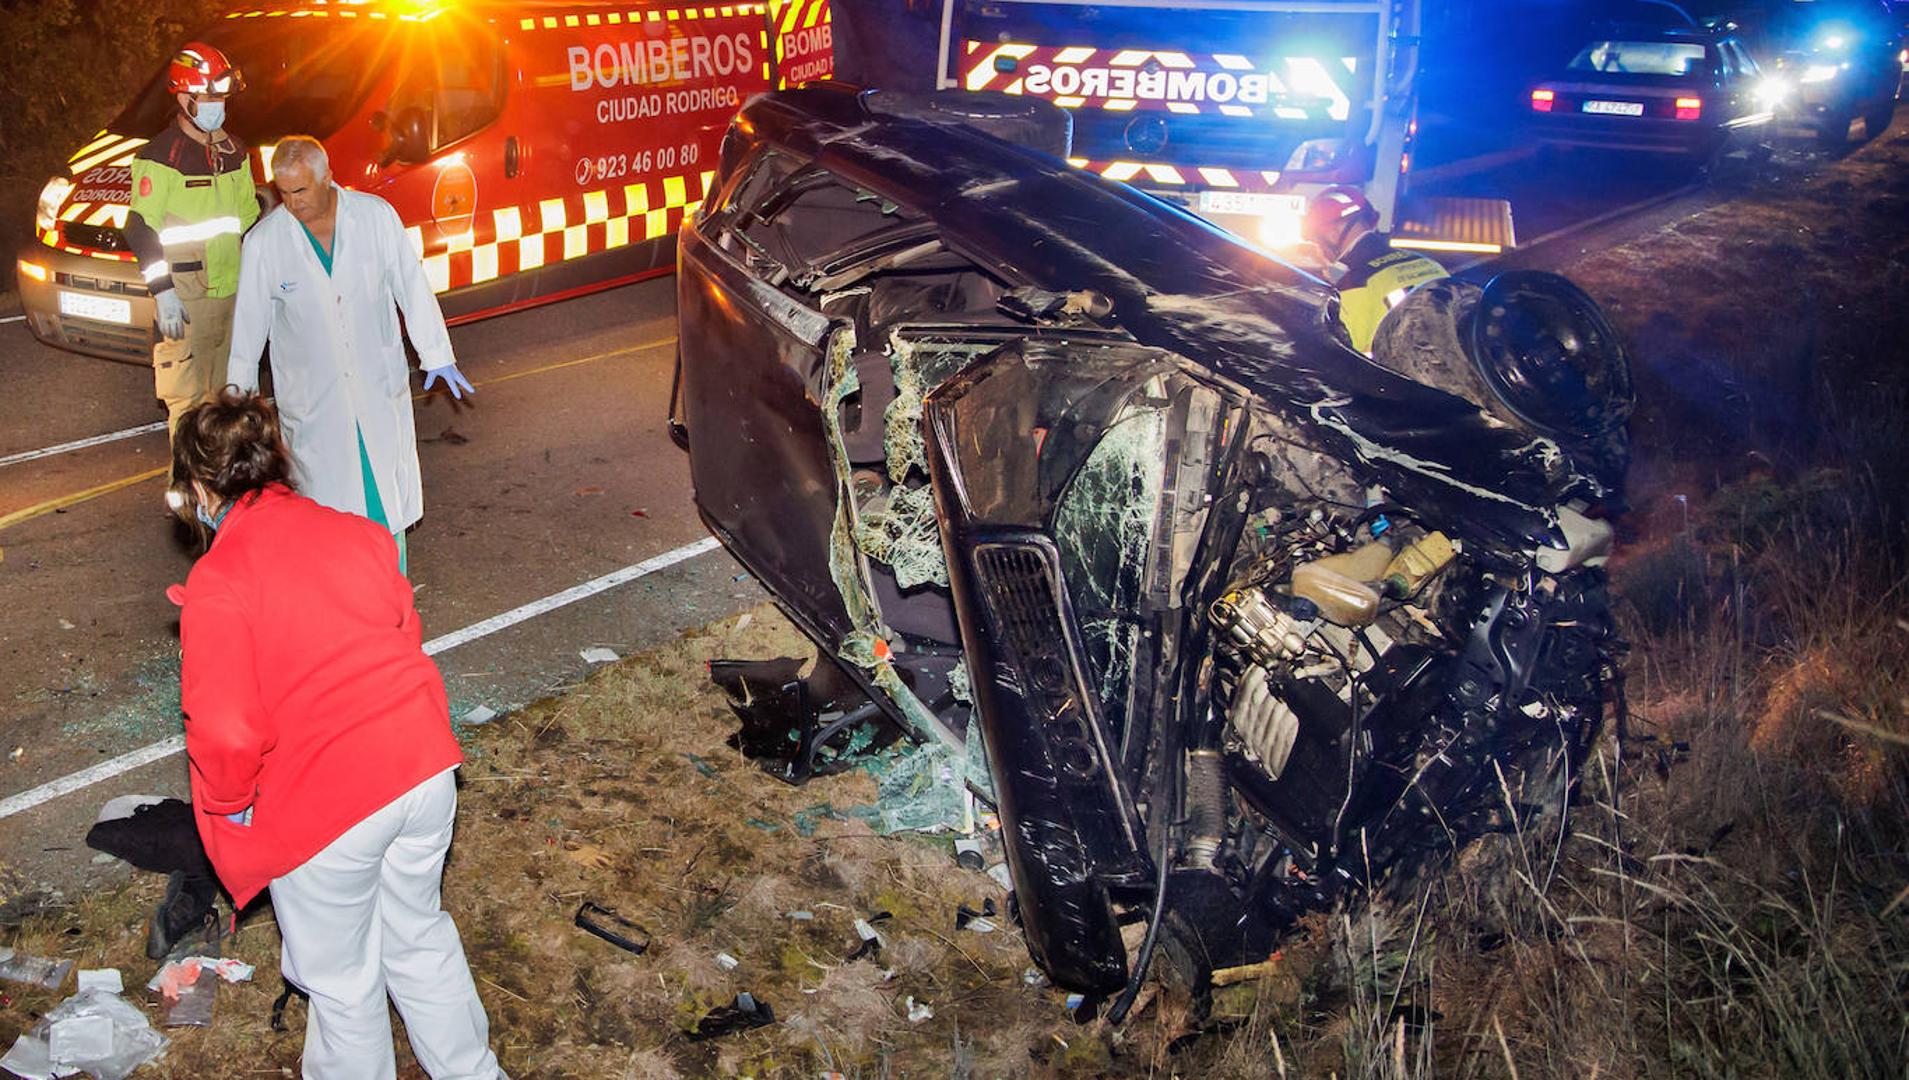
(1754, 327)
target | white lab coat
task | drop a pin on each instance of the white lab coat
(338, 364)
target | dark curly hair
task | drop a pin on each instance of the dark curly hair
(231, 447)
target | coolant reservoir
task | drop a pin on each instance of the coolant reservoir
(1365, 564)
(1341, 598)
(1417, 563)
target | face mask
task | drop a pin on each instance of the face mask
(209, 116)
(208, 520)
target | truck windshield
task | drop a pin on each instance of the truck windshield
(306, 76)
(1677, 58)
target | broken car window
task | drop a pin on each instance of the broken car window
(811, 216)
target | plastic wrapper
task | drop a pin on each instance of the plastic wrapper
(33, 970)
(94, 1032)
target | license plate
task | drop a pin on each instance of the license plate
(1257, 203)
(1615, 108)
(101, 308)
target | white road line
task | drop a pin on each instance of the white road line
(81, 444)
(13, 318)
(146, 755)
(569, 596)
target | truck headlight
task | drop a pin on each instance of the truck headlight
(52, 197)
(1771, 92)
(1817, 73)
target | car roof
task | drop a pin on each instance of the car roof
(1693, 35)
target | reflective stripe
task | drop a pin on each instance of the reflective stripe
(156, 271)
(200, 231)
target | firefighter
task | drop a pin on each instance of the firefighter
(192, 199)
(1372, 276)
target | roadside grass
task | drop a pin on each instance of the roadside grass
(1732, 902)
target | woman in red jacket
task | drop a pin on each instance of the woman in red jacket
(321, 750)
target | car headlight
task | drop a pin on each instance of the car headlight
(1771, 92)
(1817, 73)
(52, 197)
(1315, 154)
(1834, 41)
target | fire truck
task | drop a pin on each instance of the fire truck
(1239, 109)
(535, 149)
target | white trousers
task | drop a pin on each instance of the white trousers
(362, 918)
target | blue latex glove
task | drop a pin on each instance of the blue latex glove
(172, 315)
(453, 379)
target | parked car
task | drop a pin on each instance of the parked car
(1226, 619)
(1844, 62)
(1686, 92)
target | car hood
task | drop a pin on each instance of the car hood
(1179, 284)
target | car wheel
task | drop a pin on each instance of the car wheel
(1832, 131)
(1877, 117)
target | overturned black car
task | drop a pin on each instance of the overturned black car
(1245, 621)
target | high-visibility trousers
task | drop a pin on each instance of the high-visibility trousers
(192, 369)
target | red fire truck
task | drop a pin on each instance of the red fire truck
(1238, 108)
(536, 150)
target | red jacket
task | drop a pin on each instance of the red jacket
(307, 693)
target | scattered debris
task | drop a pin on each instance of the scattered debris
(918, 1010)
(67, 624)
(451, 436)
(999, 872)
(968, 854)
(872, 942)
(597, 654)
(745, 1014)
(966, 918)
(590, 489)
(479, 714)
(640, 512)
(94, 1031)
(727, 962)
(16, 753)
(592, 917)
(32, 970)
(801, 916)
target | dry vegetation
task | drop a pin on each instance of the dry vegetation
(1731, 903)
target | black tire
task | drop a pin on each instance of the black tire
(1832, 131)
(1877, 118)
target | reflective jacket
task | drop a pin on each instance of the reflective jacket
(1376, 277)
(191, 203)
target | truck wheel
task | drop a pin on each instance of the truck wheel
(1877, 117)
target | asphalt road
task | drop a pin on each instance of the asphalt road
(558, 472)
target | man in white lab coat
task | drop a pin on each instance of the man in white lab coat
(323, 278)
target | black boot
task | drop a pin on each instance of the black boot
(187, 913)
